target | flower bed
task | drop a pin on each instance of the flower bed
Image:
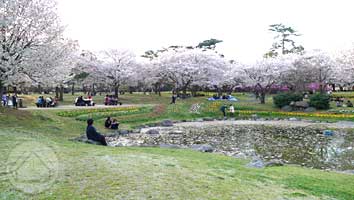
(75, 113)
(101, 115)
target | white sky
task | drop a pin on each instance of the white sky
(141, 25)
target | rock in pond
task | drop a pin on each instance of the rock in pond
(166, 123)
(123, 132)
(153, 132)
(202, 147)
(274, 163)
(256, 163)
(208, 119)
(170, 146)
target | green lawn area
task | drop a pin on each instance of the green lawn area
(97, 172)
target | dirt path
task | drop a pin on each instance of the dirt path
(72, 107)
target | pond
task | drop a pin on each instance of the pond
(304, 145)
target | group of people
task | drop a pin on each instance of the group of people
(111, 123)
(8, 100)
(340, 103)
(111, 100)
(80, 101)
(46, 102)
(231, 109)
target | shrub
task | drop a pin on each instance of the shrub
(284, 99)
(320, 101)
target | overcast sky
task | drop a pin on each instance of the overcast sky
(141, 25)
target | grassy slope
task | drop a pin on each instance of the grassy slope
(93, 172)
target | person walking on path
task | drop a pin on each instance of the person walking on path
(223, 109)
(232, 110)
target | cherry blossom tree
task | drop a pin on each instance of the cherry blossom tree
(118, 67)
(25, 26)
(344, 70)
(265, 74)
(185, 67)
(321, 68)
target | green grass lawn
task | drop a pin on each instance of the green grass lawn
(97, 172)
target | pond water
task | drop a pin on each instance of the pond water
(305, 146)
(311, 150)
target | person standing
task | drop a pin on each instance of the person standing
(14, 101)
(232, 110)
(223, 109)
(174, 97)
(4, 100)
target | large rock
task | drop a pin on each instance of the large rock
(153, 132)
(208, 119)
(274, 163)
(83, 138)
(202, 147)
(256, 163)
(93, 142)
(310, 109)
(123, 132)
(287, 108)
(199, 120)
(170, 146)
(166, 123)
(301, 104)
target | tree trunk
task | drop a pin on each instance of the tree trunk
(2, 91)
(61, 95)
(93, 90)
(39, 89)
(262, 98)
(57, 92)
(116, 90)
(334, 87)
(184, 92)
(73, 89)
(84, 89)
(219, 92)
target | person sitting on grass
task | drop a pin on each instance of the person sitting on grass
(349, 103)
(108, 122)
(114, 124)
(48, 101)
(92, 134)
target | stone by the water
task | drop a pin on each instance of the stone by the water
(202, 147)
(166, 123)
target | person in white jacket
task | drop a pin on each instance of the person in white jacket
(232, 110)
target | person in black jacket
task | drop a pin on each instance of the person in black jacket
(92, 134)
(108, 122)
(14, 101)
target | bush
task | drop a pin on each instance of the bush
(320, 101)
(284, 99)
